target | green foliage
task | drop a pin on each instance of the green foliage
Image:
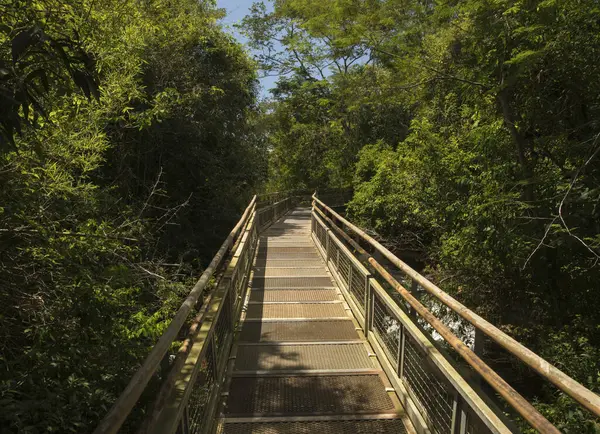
(470, 132)
(110, 206)
(41, 52)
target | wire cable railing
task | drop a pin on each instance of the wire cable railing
(188, 397)
(443, 400)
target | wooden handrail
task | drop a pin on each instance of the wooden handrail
(460, 384)
(575, 390)
(518, 402)
(122, 407)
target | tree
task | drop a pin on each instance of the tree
(110, 205)
(475, 128)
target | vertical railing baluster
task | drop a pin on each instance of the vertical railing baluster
(402, 350)
(350, 278)
(233, 308)
(399, 351)
(459, 417)
(215, 352)
(328, 246)
(372, 314)
(367, 301)
(463, 421)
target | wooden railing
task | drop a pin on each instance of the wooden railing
(333, 196)
(189, 395)
(436, 396)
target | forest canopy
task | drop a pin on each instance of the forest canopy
(131, 137)
(127, 152)
(469, 131)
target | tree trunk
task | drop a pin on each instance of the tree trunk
(520, 144)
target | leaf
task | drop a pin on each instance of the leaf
(94, 88)
(80, 79)
(36, 104)
(61, 53)
(523, 57)
(41, 74)
(23, 41)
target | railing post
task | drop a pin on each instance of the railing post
(367, 327)
(401, 350)
(459, 417)
(400, 353)
(312, 218)
(327, 246)
(350, 278)
(233, 301)
(213, 341)
(371, 308)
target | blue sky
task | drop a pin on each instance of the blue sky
(236, 10)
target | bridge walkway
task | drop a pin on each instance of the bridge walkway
(297, 361)
(302, 364)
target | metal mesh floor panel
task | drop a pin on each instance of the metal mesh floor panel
(286, 240)
(295, 331)
(276, 262)
(299, 232)
(285, 249)
(305, 310)
(344, 394)
(288, 243)
(291, 231)
(291, 282)
(385, 426)
(295, 271)
(287, 295)
(300, 367)
(276, 235)
(288, 255)
(297, 357)
(291, 224)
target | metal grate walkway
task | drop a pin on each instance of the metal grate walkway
(302, 364)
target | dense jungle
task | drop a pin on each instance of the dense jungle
(133, 133)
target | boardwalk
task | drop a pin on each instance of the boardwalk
(341, 346)
(302, 364)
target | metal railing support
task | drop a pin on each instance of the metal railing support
(483, 411)
(368, 313)
(575, 390)
(171, 411)
(402, 350)
(456, 426)
(127, 400)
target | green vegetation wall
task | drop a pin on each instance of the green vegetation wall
(469, 131)
(127, 151)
